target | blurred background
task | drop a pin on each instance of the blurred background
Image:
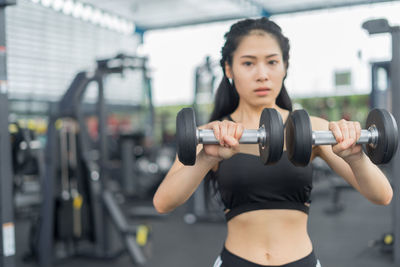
(89, 93)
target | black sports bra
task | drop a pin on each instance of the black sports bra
(246, 184)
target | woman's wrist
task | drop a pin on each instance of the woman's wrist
(212, 160)
(356, 161)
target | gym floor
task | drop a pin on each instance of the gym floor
(341, 240)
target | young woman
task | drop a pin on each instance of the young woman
(266, 206)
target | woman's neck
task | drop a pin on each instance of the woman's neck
(250, 115)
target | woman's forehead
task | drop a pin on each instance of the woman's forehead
(258, 43)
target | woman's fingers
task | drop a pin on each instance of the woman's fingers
(228, 133)
(230, 141)
(223, 131)
(357, 127)
(239, 131)
(346, 134)
(336, 131)
(217, 132)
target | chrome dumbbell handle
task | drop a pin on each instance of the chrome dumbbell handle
(206, 136)
(369, 136)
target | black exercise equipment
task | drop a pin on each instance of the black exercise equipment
(148, 165)
(85, 191)
(269, 136)
(23, 144)
(28, 166)
(380, 83)
(381, 137)
(385, 243)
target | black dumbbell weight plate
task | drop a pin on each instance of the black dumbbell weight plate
(299, 137)
(271, 121)
(186, 136)
(387, 136)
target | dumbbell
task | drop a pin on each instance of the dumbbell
(381, 137)
(269, 136)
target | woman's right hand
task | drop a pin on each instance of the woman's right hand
(228, 134)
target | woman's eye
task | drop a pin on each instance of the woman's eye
(247, 63)
(273, 62)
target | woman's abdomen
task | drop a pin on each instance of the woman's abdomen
(269, 237)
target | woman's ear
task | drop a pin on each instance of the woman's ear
(228, 70)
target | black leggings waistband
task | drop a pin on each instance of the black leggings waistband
(231, 260)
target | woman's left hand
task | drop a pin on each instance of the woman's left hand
(346, 134)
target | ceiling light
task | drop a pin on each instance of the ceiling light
(87, 13)
(58, 5)
(104, 19)
(131, 28)
(68, 7)
(46, 3)
(96, 16)
(108, 21)
(115, 23)
(126, 27)
(77, 12)
(120, 26)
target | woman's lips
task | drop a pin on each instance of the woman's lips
(262, 91)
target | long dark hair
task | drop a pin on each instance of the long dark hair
(227, 98)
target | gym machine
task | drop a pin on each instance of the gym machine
(203, 89)
(380, 26)
(380, 92)
(84, 191)
(28, 167)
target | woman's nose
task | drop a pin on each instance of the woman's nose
(262, 73)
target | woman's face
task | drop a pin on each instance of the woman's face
(257, 69)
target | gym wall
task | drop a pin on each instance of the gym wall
(47, 48)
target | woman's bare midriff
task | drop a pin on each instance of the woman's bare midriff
(269, 237)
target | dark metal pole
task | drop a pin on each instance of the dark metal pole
(395, 85)
(149, 93)
(7, 232)
(46, 238)
(104, 241)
